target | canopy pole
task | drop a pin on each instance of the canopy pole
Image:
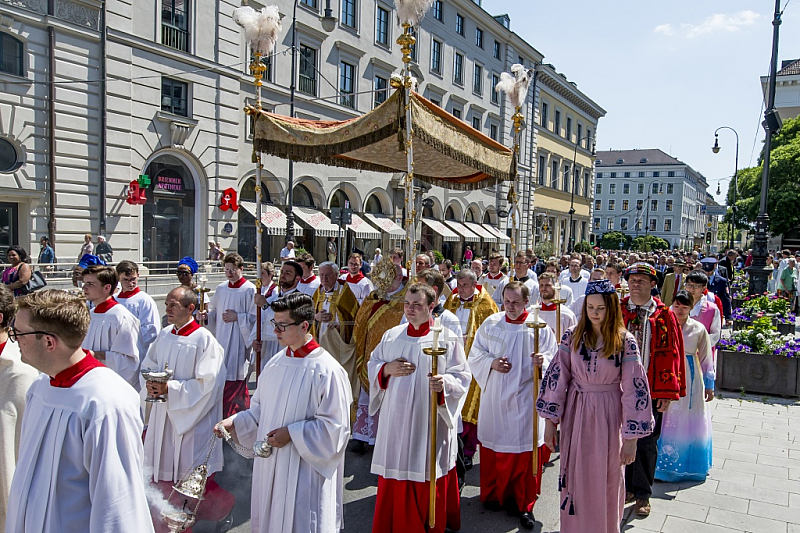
(258, 68)
(512, 193)
(406, 41)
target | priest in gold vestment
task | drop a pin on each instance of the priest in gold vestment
(472, 305)
(381, 311)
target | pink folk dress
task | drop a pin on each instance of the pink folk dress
(598, 401)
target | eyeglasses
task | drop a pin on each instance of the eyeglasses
(693, 286)
(282, 327)
(13, 334)
(183, 273)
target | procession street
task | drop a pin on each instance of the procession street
(754, 485)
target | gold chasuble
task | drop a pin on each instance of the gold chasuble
(481, 307)
(375, 317)
(339, 342)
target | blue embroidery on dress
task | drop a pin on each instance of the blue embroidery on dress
(642, 397)
(639, 428)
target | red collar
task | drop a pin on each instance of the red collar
(236, 285)
(309, 279)
(70, 376)
(105, 306)
(493, 276)
(309, 347)
(354, 279)
(423, 330)
(186, 330)
(548, 307)
(705, 291)
(520, 319)
(3, 347)
(270, 289)
(125, 295)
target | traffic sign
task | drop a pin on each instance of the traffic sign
(713, 210)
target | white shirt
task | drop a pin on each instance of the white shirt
(80, 464)
(116, 332)
(287, 254)
(299, 487)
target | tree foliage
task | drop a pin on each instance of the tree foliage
(783, 198)
(611, 240)
(545, 249)
(650, 243)
(583, 247)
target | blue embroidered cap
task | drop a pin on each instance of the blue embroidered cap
(88, 260)
(189, 262)
(600, 286)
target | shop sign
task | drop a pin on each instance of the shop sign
(137, 190)
(169, 183)
(228, 200)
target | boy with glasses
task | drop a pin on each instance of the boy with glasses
(80, 466)
(114, 333)
(231, 317)
(301, 411)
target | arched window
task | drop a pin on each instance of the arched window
(470, 216)
(339, 199)
(169, 212)
(11, 58)
(449, 214)
(487, 219)
(248, 193)
(427, 212)
(302, 196)
(373, 205)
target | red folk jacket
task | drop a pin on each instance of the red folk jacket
(667, 369)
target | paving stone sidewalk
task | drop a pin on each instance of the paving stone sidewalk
(754, 485)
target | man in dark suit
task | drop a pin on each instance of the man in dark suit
(728, 262)
(718, 283)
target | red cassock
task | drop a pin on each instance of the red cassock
(402, 506)
(507, 476)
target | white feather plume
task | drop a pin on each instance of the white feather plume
(515, 85)
(261, 28)
(412, 11)
(398, 79)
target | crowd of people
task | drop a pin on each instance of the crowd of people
(615, 379)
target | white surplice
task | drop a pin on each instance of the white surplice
(568, 319)
(533, 291)
(234, 336)
(80, 464)
(450, 321)
(143, 307)
(361, 290)
(491, 283)
(299, 487)
(401, 446)
(269, 342)
(309, 285)
(116, 332)
(505, 420)
(179, 429)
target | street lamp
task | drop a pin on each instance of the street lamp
(716, 150)
(758, 274)
(574, 184)
(328, 24)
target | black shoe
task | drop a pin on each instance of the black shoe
(226, 524)
(492, 506)
(527, 521)
(468, 463)
(358, 446)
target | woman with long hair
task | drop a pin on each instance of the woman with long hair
(684, 447)
(18, 274)
(596, 390)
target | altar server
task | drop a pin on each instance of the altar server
(310, 283)
(302, 410)
(80, 463)
(139, 303)
(288, 282)
(360, 285)
(113, 335)
(547, 291)
(401, 386)
(231, 317)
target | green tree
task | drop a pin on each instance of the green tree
(784, 185)
(650, 243)
(583, 247)
(545, 250)
(611, 240)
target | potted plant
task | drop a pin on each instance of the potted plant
(758, 359)
(739, 288)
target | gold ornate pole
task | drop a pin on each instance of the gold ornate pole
(512, 194)
(537, 376)
(406, 41)
(435, 351)
(558, 300)
(257, 68)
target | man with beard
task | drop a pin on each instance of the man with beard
(288, 282)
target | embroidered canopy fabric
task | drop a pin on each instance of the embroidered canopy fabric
(447, 152)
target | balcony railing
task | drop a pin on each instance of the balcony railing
(174, 37)
(307, 85)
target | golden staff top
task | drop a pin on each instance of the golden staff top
(406, 40)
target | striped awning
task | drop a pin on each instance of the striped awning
(317, 221)
(362, 230)
(442, 230)
(502, 238)
(462, 230)
(387, 225)
(478, 230)
(273, 220)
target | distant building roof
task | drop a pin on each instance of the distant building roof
(790, 68)
(647, 156)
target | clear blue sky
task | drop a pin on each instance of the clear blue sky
(667, 73)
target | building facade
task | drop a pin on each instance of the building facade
(787, 89)
(99, 98)
(648, 192)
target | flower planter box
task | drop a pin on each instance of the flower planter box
(737, 302)
(758, 373)
(783, 329)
